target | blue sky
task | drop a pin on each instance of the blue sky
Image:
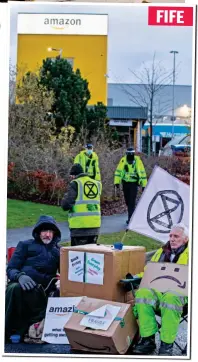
(130, 40)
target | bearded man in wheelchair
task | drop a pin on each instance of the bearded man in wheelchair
(31, 272)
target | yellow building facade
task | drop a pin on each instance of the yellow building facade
(81, 39)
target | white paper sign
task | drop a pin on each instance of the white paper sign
(164, 202)
(76, 266)
(101, 318)
(59, 311)
(81, 24)
(86, 267)
(100, 312)
(94, 273)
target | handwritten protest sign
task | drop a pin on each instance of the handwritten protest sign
(76, 266)
(94, 268)
(58, 312)
(86, 267)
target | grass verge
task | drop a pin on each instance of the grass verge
(131, 238)
(25, 213)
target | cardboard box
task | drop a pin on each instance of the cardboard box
(129, 298)
(166, 277)
(115, 340)
(116, 265)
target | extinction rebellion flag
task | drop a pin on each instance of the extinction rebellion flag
(164, 202)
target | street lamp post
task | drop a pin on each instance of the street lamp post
(56, 50)
(174, 52)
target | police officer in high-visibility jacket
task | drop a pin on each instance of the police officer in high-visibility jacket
(82, 201)
(88, 159)
(169, 304)
(130, 172)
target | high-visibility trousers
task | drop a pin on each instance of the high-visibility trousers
(169, 304)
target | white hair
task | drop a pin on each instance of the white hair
(182, 227)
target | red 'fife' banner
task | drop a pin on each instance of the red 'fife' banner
(170, 16)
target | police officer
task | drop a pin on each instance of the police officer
(88, 159)
(131, 173)
(83, 203)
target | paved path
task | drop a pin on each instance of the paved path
(110, 224)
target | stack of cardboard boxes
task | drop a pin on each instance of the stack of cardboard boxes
(103, 321)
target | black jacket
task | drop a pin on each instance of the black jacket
(34, 258)
(70, 197)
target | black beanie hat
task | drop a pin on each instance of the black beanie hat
(76, 169)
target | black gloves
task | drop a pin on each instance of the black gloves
(26, 282)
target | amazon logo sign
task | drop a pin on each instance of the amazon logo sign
(59, 311)
(60, 23)
(64, 23)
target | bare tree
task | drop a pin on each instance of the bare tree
(151, 80)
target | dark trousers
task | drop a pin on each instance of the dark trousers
(130, 190)
(23, 308)
(83, 240)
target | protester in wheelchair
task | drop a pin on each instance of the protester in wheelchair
(30, 271)
(169, 304)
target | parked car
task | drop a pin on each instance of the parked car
(177, 144)
(181, 148)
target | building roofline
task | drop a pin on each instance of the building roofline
(166, 85)
(139, 107)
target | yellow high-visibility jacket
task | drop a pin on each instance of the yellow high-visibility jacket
(183, 259)
(90, 165)
(134, 172)
(86, 212)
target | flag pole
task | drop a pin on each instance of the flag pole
(124, 236)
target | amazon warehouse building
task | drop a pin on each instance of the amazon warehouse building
(79, 38)
(82, 39)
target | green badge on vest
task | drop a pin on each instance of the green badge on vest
(91, 207)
